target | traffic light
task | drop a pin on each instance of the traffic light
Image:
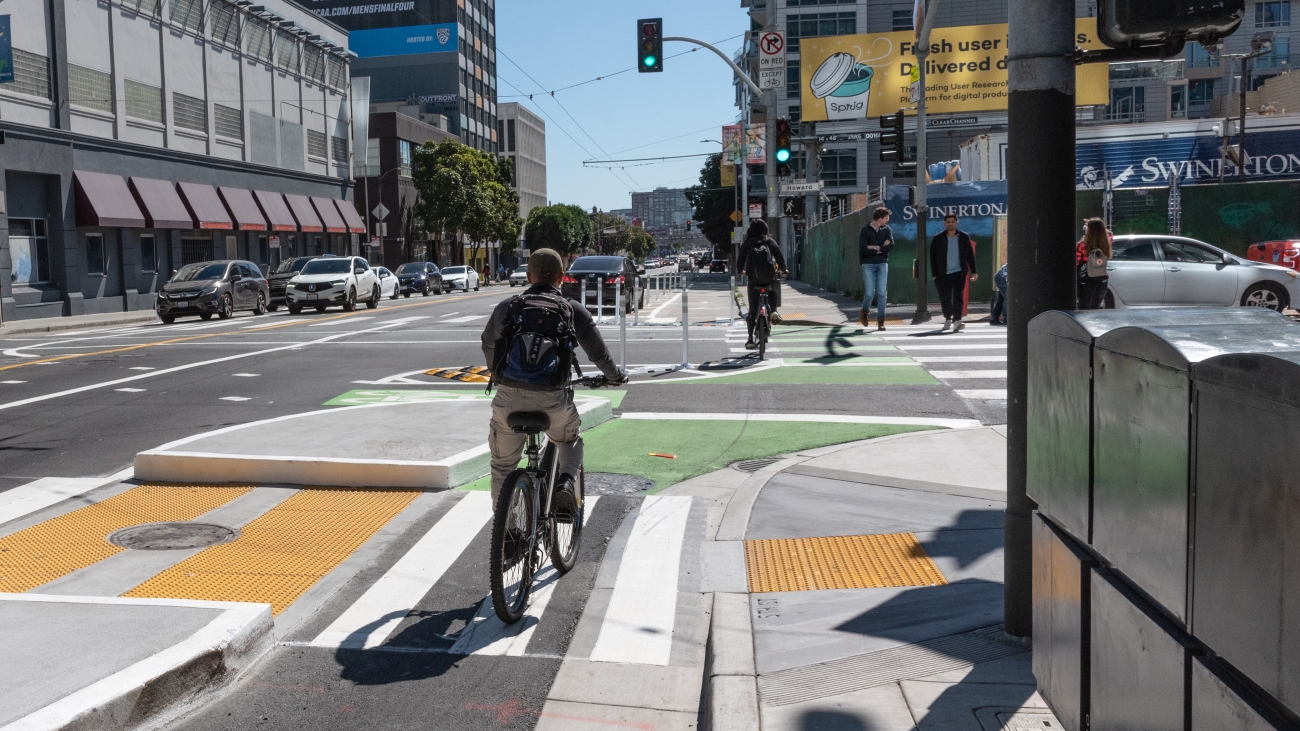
(782, 152)
(650, 45)
(893, 147)
(1128, 23)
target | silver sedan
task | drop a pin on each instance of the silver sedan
(1160, 271)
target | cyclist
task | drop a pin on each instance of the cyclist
(762, 262)
(545, 273)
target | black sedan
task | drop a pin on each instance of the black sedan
(607, 274)
(279, 279)
(214, 288)
(422, 277)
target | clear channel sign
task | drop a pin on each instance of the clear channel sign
(771, 60)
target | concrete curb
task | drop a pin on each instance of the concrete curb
(67, 323)
(160, 688)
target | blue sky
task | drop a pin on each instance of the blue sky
(563, 42)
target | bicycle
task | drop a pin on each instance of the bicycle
(762, 322)
(519, 536)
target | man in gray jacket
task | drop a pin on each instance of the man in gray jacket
(545, 273)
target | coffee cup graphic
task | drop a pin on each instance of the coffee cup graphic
(845, 84)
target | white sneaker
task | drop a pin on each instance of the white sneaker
(947, 325)
(958, 326)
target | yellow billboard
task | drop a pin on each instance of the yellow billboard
(860, 76)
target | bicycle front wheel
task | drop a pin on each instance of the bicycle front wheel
(764, 329)
(513, 539)
(566, 531)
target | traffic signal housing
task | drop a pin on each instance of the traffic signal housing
(893, 143)
(782, 148)
(650, 45)
(1129, 23)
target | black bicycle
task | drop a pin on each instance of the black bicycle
(525, 526)
(762, 322)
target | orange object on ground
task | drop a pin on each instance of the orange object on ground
(665, 456)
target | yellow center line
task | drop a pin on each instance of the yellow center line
(205, 336)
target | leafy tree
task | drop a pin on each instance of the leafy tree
(713, 204)
(465, 193)
(564, 228)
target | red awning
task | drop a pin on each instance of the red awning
(104, 200)
(275, 210)
(162, 207)
(242, 208)
(205, 206)
(329, 215)
(302, 211)
(350, 217)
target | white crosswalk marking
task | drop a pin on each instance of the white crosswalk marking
(960, 359)
(379, 611)
(40, 494)
(986, 394)
(954, 346)
(990, 373)
(463, 318)
(638, 625)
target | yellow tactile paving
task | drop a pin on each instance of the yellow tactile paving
(284, 552)
(75, 540)
(839, 562)
(472, 374)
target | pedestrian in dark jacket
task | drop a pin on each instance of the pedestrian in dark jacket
(952, 261)
(875, 241)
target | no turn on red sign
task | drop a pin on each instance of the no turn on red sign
(771, 59)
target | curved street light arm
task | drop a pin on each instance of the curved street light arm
(739, 73)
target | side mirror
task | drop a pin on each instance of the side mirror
(640, 270)
(357, 270)
(236, 277)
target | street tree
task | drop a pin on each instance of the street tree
(465, 193)
(714, 204)
(564, 228)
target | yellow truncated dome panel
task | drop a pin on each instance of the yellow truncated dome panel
(839, 562)
(284, 552)
(75, 540)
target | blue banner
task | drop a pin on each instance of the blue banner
(6, 52)
(403, 40)
(1274, 154)
(974, 204)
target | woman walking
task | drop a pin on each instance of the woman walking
(1093, 254)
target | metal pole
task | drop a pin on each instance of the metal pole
(1042, 233)
(744, 167)
(686, 332)
(1241, 126)
(922, 172)
(636, 301)
(622, 325)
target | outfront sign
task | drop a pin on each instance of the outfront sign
(859, 76)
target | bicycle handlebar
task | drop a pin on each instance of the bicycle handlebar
(600, 381)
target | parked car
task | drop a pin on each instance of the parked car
(519, 277)
(460, 277)
(718, 265)
(1282, 253)
(389, 285)
(423, 277)
(213, 288)
(279, 278)
(605, 273)
(334, 281)
(1157, 270)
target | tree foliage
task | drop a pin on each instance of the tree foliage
(564, 228)
(626, 239)
(465, 192)
(713, 204)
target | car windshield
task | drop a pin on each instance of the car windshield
(412, 268)
(291, 265)
(454, 270)
(200, 272)
(327, 266)
(522, 270)
(597, 264)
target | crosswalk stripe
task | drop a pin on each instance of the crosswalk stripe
(924, 359)
(638, 625)
(379, 611)
(26, 499)
(987, 394)
(955, 346)
(991, 373)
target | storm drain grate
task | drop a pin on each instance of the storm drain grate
(172, 536)
(754, 465)
(882, 667)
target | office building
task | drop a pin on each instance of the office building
(142, 136)
(522, 137)
(662, 208)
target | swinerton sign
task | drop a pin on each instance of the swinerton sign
(1272, 154)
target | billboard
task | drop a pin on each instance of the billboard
(861, 76)
(6, 52)
(403, 40)
(731, 146)
(1272, 154)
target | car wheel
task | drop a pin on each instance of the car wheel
(272, 308)
(227, 310)
(466, 288)
(425, 293)
(396, 291)
(406, 295)
(373, 302)
(205, 316)
(475, 286)
(320, 308)
(350, 302)
(295, 310)
(1265, 294)
(167, 319)
(260, 307)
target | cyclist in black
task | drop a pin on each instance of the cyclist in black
(761, 260)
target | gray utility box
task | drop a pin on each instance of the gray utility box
(1246, 550)
(1139, 661)
(1142, 431)
(1222, 700)
(1062, 578)
(1060, 416)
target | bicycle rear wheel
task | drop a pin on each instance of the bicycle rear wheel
(513, 538)
(763, 329)
(566, 532)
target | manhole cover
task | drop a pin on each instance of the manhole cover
(613, 483)
(172, 536)
(754, 465)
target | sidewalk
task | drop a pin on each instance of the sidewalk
(78, 322)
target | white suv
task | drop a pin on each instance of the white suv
(333, 280)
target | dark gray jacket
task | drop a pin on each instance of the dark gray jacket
(874, 245)
(583, 325)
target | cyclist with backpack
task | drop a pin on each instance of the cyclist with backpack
(762, 262)
(530, 344)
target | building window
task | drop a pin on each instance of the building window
(144, 102)
(96, 257)
(840, 168)
(404, 158)
(29, 251)
(1200, 91)
(264, 250)
(313, 64)
(1198, 57)
(809, 3)
(90, 88)
(316, 144)
(229, 122)
(188, 14)
(338, 72)
(286, 52)
(340, 150)
(814, 25)
(31, 75)
(902, 20)
(189, 112)
(258, 39)
(1280, 55)
(510, 135)
(792, 79)
(1272, 14)
(1127, 104)
(196, 248)
(225, 23)
(143, 7)
(148, 254)
(1178, 101)
(795, 114)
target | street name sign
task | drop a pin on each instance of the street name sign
(792, 189)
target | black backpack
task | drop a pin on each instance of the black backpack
(761, 265)
(537, 345)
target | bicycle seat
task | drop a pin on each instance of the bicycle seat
(529, 422)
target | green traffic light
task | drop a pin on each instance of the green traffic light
(782, 155)
(648, 61)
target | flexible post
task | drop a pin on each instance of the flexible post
(600, 298)
(636, 301)
(686, 331)
(584, 293)
(731, 301)
(622, 325)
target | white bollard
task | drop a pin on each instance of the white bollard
(731, 303)
(584, 293)
(622, 325)
(600, 298)
(686, 332)
(636, 301)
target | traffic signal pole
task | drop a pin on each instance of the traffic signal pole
(922, 173)
(1041, 229)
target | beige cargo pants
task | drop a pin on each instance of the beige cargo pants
(507, 446)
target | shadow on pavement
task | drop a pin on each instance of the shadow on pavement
(960, 542)
(381, 667)
(832, 721)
